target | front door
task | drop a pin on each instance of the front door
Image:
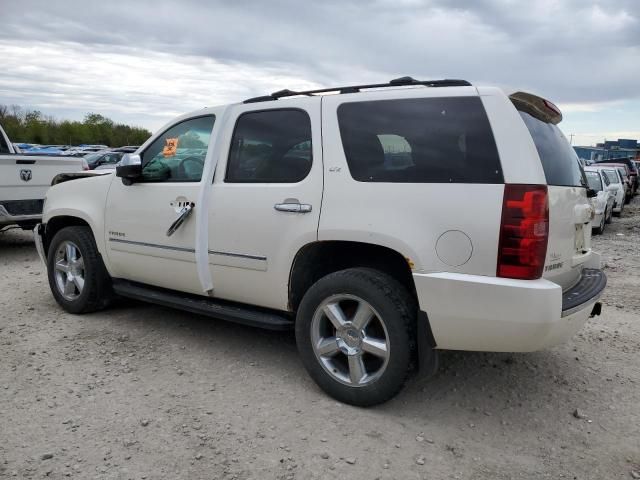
(265, 201)
(138, 217)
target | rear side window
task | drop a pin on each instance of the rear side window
(419, 140)
(270, 146)
(559, 161)
(613, 176)
(594, 181)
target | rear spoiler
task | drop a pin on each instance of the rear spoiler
(65, 177)
(536, 106)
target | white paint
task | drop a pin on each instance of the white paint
(454, 248)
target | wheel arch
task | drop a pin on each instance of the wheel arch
(318, 259)
(57, 223)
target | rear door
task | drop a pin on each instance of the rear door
(266, 197)
(570, 212)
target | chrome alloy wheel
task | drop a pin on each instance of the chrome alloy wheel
(350, 340)
(69, 270)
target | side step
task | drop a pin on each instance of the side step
(224, 310)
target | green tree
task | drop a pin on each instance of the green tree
(31, 126)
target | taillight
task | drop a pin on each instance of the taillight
(524, 232)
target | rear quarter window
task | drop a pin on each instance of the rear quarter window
(559, 161)
(419, 140)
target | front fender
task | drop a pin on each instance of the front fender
(84, 199)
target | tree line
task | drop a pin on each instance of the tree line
(32, 126)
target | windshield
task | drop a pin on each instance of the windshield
(594, 181)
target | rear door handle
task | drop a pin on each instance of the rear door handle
(293, 207)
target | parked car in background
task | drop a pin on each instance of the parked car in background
(126, 149)
(95, 160)
(633, 172)
(616, 187)
(108, 166)
(626, 178)
(603, 202)
(303, 221)
(82, 150)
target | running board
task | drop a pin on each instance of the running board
(223, 310)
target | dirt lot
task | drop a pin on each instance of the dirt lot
(140, 391)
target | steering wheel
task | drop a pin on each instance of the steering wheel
(182, 172)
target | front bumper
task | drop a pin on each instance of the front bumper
(473, 312)
(38, 234)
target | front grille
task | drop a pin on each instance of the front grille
(23, 207)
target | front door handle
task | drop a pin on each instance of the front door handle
(183, 214)
(293, 207)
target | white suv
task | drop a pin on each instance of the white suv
(383, 222)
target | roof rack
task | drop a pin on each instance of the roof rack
(396, 82)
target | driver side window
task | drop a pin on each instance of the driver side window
(178, 155)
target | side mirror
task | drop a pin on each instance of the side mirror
(591, 193)
(129, 168)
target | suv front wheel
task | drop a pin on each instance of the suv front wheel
(354, 331)
(77, 277)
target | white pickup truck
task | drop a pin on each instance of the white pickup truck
(24, 180)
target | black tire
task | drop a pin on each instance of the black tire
(609, 216)
(397, 310)
(96, 293)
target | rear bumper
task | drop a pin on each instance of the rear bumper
(7, 218)
(472, 312)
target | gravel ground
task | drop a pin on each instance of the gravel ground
(141, 391)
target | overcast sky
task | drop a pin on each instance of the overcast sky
(145, 61)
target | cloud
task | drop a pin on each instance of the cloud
(150, 59)
(137, 85)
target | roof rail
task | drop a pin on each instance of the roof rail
(396, 82)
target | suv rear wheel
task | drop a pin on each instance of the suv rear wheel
(78, 279)
(354, 331)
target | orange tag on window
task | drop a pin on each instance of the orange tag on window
(170, 148)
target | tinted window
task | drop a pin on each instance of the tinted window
(419, 140)
(559, 160)
(4, 148)
(178, 154)
(271, 146)
(594, 181)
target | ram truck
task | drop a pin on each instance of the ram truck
(24, 180)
